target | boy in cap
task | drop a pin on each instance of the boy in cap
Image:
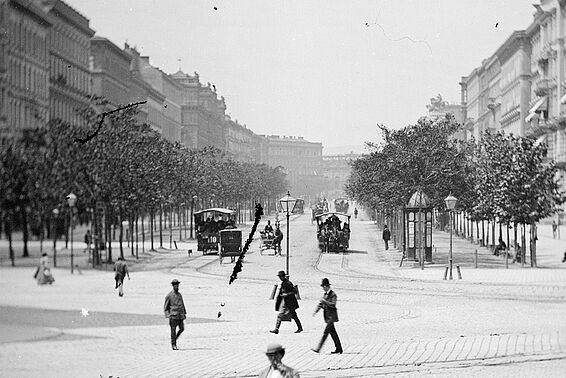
(328, 304)
(174, 309)
(286, 303)
(275, 353)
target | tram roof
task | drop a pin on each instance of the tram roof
(325, 215)
(215, 210)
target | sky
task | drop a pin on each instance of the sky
(328, 71)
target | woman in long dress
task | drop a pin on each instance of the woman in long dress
(44, 275)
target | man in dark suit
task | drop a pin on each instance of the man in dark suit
(386, 235)
(328, 304)
(286, 304)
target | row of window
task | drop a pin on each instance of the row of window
(28, 77)
(71, 44)
(68, 74)
(65, 111)
(24, 115)
(25, 39)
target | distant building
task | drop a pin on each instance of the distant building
(24, 65)
(110, 71)
(69, 53)
(302, 161)
(438, 108)
(203, 112)
(336, 171)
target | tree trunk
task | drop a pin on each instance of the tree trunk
(108, 222)
(23, 212)
(143, 233)
(8, 230)
(41, 233)
(131, 228)
(160, 226)
(534, 239)
(152, 224)
(523, 246)
(121, 235)
(482, 233)
(137, 237)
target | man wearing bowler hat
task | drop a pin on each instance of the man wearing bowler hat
(174, 309)
(328, 304)
(286, 303)
(275, 353)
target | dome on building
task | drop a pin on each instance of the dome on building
(419, 199)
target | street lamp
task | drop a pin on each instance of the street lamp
(450, 205)
(54, 230)
(72, 200)
(288, 204)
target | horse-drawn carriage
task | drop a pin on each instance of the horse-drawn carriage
(319, 208)
(230, 244)
(208, 225)
(271, 239)
(299, 206)
(341, 205)
(333, 232)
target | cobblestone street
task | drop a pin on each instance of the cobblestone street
(394, 320)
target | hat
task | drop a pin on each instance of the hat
(281, 273)
(175, 282)
(273, 348)
(325, 282)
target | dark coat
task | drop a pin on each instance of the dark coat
(386, 234)
(290, 300)
(330, 311)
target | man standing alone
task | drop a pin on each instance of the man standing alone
(386, 235)
(121, 269)
(174, 309)
(286, 303)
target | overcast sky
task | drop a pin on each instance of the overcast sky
(325, 70)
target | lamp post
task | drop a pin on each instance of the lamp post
(450, 205)
(288, 204)
(54, 230)
(72, 200)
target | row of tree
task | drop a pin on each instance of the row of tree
(501, 177)
(121, 168)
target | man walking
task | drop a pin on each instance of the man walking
(328, 304)
(275, 353)
(174, 309)
(386, 235)
(121, 269)
(286, 303)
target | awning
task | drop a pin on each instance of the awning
(538, 104)
(537, 107)
(530, 117)
(541, 139)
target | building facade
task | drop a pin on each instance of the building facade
(336, 170)
(302, 161)
(521, 88)
(69, 54)
(24, 65)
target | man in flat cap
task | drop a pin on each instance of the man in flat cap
(286, 303)
(174, 309)
(328, 304)
(275, 353)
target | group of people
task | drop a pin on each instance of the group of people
(211, 225)
(286, 305)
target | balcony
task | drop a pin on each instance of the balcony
(544, 86)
